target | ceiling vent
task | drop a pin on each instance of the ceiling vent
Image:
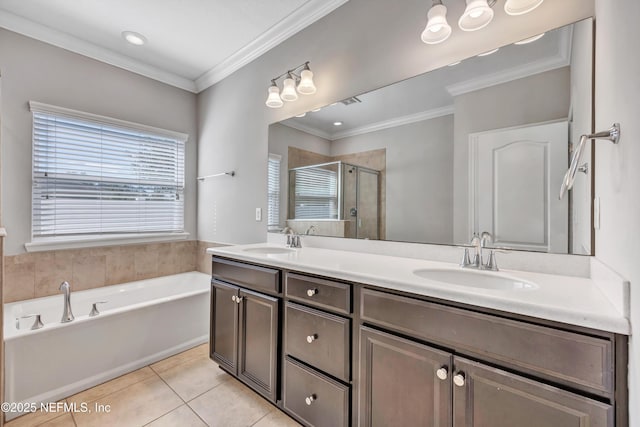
(352, 100)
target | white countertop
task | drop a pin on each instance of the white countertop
(573, 300)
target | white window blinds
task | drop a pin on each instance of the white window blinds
(273, 202)
(316, 194)
(98, 176)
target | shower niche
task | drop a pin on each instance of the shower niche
(335, 199)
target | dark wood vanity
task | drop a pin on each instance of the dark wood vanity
(334, 353)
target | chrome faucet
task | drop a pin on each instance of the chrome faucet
(311, 230)
(67, 314)
(479, 242)
(293, 240)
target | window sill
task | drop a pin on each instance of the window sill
(95, 241)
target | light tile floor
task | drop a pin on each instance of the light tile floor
(184, 390)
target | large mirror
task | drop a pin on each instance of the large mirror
(477, 146)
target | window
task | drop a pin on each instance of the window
(273, 202)
(316, 193)
(96, 177)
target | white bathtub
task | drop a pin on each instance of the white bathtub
(142, 322)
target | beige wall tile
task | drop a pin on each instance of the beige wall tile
(146, 261)
(120, 266)
(203, 258)
(89, 271)
(53, 268)
(19, 279)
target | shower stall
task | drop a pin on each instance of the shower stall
(336, 199)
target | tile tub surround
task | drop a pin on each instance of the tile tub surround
(187, 389)
(39, 274)
(567, 299)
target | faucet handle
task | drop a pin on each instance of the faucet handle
(492, 264)
(94, 308)
(466, 260)
(37, 324)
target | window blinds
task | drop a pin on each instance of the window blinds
(273, 207)
(96, 177)
(316, 192)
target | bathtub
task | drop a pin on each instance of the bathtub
(142, 322)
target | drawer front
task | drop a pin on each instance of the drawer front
(250, 276)
(569, 358)
(322, 293)
(319, 339)
(315, 399)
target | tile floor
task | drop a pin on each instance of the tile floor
(184, 390)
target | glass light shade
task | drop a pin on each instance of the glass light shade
(476, 16)
(306, 86)
(289, 90)
(520, 7)
(530, 39)
(273, 100)
(437, 29)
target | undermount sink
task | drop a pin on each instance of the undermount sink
(266, 250)
(475, 279)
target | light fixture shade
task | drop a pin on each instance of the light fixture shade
(289, 90)
(273, 100)
(530, 39)
(520, 7)
(476, 16)
(437, 29)
(306, 86)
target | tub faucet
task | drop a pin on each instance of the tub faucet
(67, 314)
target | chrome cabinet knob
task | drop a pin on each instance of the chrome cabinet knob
(458, 379)
(309, 399)
(442, 373)
(311, 292)
(233, 298)
(239, 300)
(312, 338)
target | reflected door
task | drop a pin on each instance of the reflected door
(514, 182)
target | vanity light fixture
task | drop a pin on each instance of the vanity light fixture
(477, 15)
(530, 39)
(437, 29)
(292, 85)
(134, 38)
(454, 63)
(489, 53)
(301, 115)
(520, 7)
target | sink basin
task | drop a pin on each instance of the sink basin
(266, 250)
(475, 279)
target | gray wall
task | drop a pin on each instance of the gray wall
(362, 45)
(617, 91)
(35, 71)
(419, 177)
(282, 137)
(534, 99)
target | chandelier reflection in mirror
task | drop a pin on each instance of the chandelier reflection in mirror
(298, 80)
(477, 15)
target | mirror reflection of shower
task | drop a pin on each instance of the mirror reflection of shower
(335, 198)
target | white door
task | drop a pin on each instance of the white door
(515, 177)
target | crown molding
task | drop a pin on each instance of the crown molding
(396, 121)
(66, 41)
(299, 19)
(308, 129)
(561, 59)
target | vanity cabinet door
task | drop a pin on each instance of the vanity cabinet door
(402, 383)
(490, 397)
(224, 325)
(258, 346)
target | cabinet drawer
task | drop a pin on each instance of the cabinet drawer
(573, 359)
(322, 293)
(313, 398)
(319, 339)
(250, 276)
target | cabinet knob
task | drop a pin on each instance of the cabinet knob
(442, 373)
(458, 379)
(309, 399)
(233, 298)
(311, 292)
(238, 300)
(312, 338)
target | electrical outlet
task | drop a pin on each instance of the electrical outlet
(596, 213)
(258, 214)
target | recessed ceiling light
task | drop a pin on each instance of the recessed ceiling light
(454, 63)
(490, 52)
(134, 38)
(530, 39)
(337, 123)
